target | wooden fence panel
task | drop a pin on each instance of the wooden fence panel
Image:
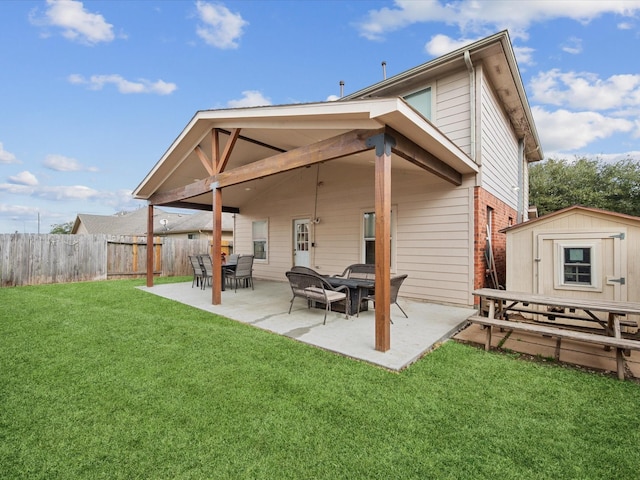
(127, 256)
(176, 251)
(33, 259)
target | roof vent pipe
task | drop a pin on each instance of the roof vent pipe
(384, 70)
(341, 88)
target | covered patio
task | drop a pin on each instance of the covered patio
(266, 307)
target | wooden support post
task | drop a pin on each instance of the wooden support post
(150, 246)
(487, 340)
(216, 248)
(383, 144)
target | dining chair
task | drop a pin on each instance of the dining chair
(243, 272)
(197, 270)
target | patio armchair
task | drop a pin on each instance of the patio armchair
(242, 273)
(366, 271)
(396, 283)
(314, 288)
(299, 269)
(198, 275)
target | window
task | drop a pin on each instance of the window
(369, 238)
(421, 101)
(577, 265)
(259, 230)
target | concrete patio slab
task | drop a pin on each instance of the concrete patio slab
(266, 307)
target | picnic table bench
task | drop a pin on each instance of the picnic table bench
(502, 301)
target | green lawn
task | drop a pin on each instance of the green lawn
(102, 380)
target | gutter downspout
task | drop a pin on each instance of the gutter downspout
(521, 161)
(472, 98)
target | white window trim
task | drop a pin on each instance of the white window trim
(394, 237)
(595, 245)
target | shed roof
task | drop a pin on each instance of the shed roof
(570, 210)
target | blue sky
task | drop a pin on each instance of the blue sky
(93, 93)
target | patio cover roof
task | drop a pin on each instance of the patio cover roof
(248, 147)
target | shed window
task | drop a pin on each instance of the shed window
(260, 230)
(577, 265)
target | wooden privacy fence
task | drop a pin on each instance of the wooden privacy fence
(34, 259)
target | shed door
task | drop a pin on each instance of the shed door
(582, 265)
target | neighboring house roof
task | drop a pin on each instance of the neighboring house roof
(135, 223)
(200, 222)
(573, 209)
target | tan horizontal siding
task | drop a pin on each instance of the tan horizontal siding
(431, 235)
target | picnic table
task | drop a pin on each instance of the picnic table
(502, 302)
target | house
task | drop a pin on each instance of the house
(413, 173)
(165, 224)
(576, 252)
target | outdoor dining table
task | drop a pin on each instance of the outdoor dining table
(358, 288)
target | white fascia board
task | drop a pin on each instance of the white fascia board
(414, 126)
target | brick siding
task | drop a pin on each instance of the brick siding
(502, 217)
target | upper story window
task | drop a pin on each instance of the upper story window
(421, 101)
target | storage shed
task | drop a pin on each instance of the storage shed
(577, 252)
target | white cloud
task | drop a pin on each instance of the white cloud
(482, 17)
(586, 90)
(442, 44)
(97, 82)
(616, 157)
(221, 29)
(60, 163)
(17, 210)
(24, 178)
(251, 98)
(76, 22)
(7, 157)
(563, 130)
(573, 46)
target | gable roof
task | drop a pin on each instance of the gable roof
(496, 54)
(271, 136)
(272, 130)
(573, 209)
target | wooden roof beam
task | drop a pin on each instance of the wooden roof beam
(330, 149)
(408, 150)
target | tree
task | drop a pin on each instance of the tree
(556, 184)
(64, 228)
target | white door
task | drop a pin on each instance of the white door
(301, 243)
